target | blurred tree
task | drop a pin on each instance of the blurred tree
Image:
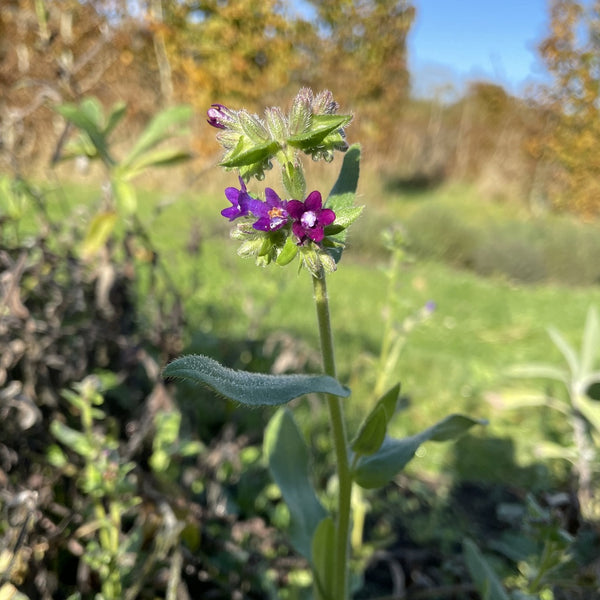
(572, 54)
(233, 50)
(362, 57)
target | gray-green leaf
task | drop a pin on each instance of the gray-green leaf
(288, 459)
(484, 577)
(341, 197)
(250, 389)
(378, 469)
(371, 433)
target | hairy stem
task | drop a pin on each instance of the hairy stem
(338, 427)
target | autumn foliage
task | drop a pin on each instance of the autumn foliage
(542, 150)
(572, 141)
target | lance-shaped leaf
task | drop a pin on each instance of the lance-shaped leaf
(323, 559)
(251, 389)
(378, 469)
(321, 126)
(590, 343)
(341, 197)
(371, 433)
(166, 124)
(99, 231)
(288, 459)
(487, 582)
(88, 117)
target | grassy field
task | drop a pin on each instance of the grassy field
(453, 362)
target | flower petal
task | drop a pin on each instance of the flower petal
(295, 208)
(313, 201)
(326, 217)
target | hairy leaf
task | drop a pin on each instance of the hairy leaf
(251, 389)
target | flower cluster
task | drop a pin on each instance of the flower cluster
(274, 229)
(307, 219)
(251, 143)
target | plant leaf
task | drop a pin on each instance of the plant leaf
(288, 460)
(590, 409)
(538, 371)
(125, 196)
(371, 433)
(566, 350)
(87, 117)
(73, 439)
(164, 125)
(321, 127)
(162, 157)
(117, 112)
(342, 195)
(100, 228)
(250, 389)
(242, 155)
(590, 344)
(323, 559)
(486, 581)
(381, 467)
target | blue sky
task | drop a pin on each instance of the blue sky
(456, 41)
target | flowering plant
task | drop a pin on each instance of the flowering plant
(277, 230)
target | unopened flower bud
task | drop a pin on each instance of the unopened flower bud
(220, 116)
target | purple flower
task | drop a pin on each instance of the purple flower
(272, 214)
(240, 202)
(219, 116)
(310, 218)
(430, 306)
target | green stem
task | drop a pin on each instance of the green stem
(336, 418)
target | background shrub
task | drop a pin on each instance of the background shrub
(571, 250)
(437, 232)
(510, 251)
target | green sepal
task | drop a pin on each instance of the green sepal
(288, 252)
(250, 389)
(378, 469)
(250, 248)
(323, 559)
(288, 459)
(321, 126)
(245, 154)
(293, 180)
(276, 123)
(300, 114)
(371, 433)
(315, 260)
(266, 248)
(252, 126)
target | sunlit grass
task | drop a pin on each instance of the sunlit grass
(454, 362)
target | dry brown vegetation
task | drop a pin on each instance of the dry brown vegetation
(236, 53)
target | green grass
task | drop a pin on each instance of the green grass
(453, 362)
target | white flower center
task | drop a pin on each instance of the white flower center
(308, 219)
